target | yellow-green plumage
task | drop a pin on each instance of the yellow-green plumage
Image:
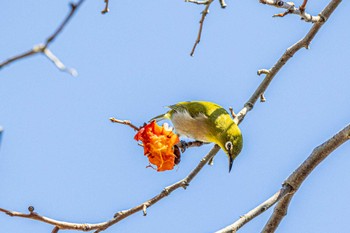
(206, 122)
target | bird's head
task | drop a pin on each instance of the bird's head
(231, 142)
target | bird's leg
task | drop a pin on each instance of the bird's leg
(184, 145)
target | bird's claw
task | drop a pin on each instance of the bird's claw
(184, 146)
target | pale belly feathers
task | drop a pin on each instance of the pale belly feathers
(196, 128)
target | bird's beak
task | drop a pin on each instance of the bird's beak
(230, 162)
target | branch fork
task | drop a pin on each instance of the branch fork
(43, 48)
(292, 9)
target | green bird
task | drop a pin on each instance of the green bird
(206, 122)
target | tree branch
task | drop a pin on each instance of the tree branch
(98, 227)
(201, 22)
(291, 9)
(270, 74)
(288, 187)
(43, 48)
(257, 210)
(291, 185)
(302, 172)
(124, 122)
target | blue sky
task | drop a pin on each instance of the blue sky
(60, 153)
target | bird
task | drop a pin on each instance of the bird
(206, 122)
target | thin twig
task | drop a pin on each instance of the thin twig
(106, 9)
(124, 122)
(73, 8)
(20, 56)
(43, 48)
(201, 22)
(223, 3)
(55, 230)
(291, 9)
(233, 114)
(270, 74)
(303, 6)
(58, 63)
(204, 2)
(291, 185)
(262, 98)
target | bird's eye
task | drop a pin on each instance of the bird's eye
(228, 145)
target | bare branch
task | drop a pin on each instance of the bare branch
(106, 9)
(58, 63)
(121, 214)
(303, 6)
(73, 9)
(43, 48)
(291, 185)
(201, 22)
(291, 9)
(17, 57)
(124, 122)
(257, 210)
(263, 71)
(270, 74)
(302, 172)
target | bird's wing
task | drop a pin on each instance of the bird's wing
(195, 108)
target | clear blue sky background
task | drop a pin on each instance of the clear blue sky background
(60, 153)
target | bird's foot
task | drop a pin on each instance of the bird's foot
(183, 146)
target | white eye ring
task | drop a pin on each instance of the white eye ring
(228, 145)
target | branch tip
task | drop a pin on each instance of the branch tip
(42, 48)
(263, 71)
(124, 122)
(166, 191)
(184, 184)
(201, 22)
(118, 214)
(106, 9)
(223, 4)
(55, 229)
(144, 210)
(233, 114)
(262, 98)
